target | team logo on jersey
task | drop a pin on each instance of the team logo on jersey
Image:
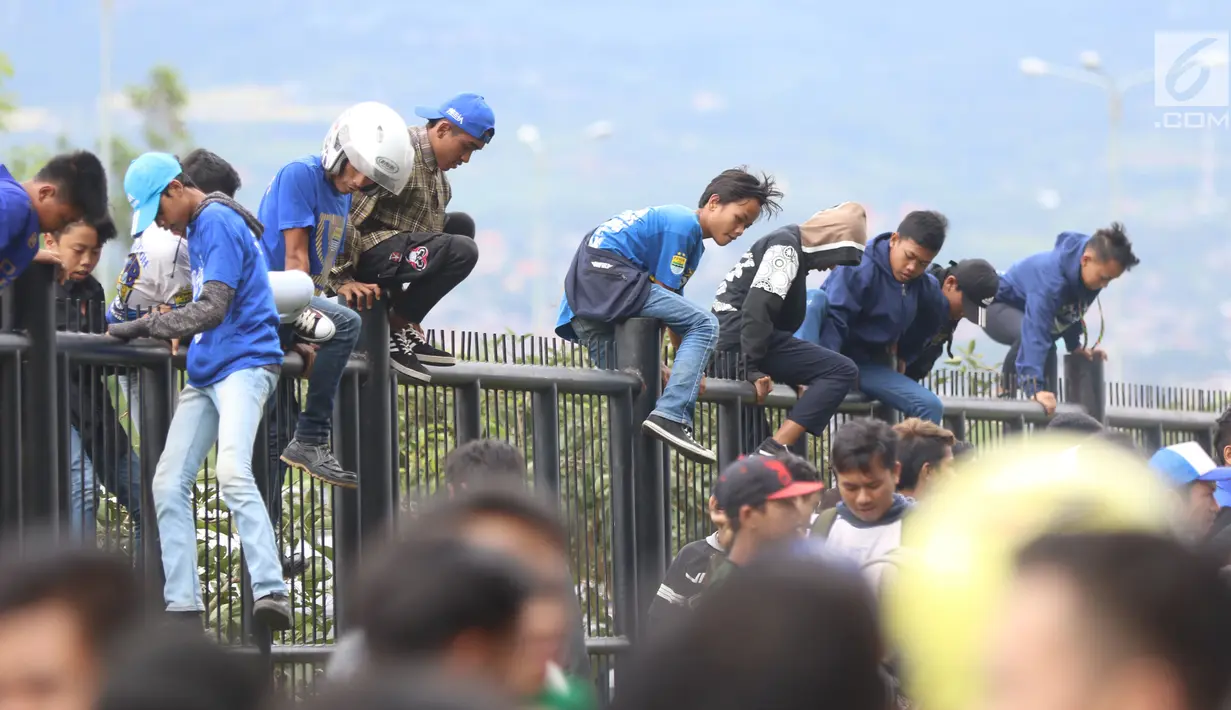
(417, 258)
(678, 263)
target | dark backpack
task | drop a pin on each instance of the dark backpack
(604, 286)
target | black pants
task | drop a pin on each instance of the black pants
(829, 376)
(1004, 325)
(421, 268)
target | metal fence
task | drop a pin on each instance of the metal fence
(630, 504)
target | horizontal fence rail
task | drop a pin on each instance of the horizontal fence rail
(628, 502)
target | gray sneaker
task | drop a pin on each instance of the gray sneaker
(318, 461)
(274, 611)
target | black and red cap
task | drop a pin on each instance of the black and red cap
(753, 480)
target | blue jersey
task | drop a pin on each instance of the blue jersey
(19, 229)
(222, 248)
(302, 196)
(666, 242)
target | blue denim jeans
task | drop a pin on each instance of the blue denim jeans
(228, 411)
(698, 329)
(82, 484)
(314, 420)
(900, 392)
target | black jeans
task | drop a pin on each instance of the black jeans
(828, 376)
(1004, 325)
(420, 269)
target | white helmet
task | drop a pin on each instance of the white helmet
(373, 138)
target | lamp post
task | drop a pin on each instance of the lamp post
(1094, 74)
(529, 135)
(104, 85)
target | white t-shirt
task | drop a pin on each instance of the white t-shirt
(157, 272)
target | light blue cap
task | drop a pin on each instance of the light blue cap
(144, 182)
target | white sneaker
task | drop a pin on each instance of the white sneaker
(313, 326)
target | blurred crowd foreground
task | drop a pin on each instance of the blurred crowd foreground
(1054, 573)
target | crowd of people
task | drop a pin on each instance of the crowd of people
(471, 603)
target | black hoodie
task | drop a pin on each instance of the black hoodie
(766, 290)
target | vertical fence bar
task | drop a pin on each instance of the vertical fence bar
(156, 393)
(346, 511)
(637, 350)
(377, 490)
(1084, 385)
(730, 431)
(40, 465)
(624, 527)
(468, 400)
(545, 414)
(10, 440)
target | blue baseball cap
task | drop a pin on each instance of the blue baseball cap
(1188, 463)
(1222, 494)
(468, 112)
(144, 182)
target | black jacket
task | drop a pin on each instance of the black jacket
(766, 290)
(80, 309)
(939, 344)
(763, 292)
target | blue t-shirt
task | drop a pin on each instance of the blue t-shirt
(664, 241)
(19, 229)
(223, 249)
(302, 196)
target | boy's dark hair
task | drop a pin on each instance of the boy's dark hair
(104, 228)
(99, 586)
(1222, 437)
(175, 667)
(1149, 595)
(787, 634)
(81, 181)
(738, 184)
(484, 460)
(926, 228)
(920, 442)
(447, 514)
(182, 179)
(421, 593)
(1112, 244)
(211, 173)
(962, 448)
(1076, 422)
(801, 469)
(857, 443)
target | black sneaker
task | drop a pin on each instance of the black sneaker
(771, 448)
(679, 437)
(294, 566)
(403, 358)
(427, 353)
(318, 461)
(274, 611)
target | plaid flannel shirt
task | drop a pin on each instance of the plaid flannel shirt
(377, 216)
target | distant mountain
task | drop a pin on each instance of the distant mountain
(893, 104)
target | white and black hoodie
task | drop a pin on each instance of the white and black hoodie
(766, 291)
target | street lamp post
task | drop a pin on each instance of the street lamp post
(1093, 73)
(104, 85)
(540, 292)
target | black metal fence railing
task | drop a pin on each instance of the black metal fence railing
(629, 503)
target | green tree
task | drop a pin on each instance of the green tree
(7, 102)
(160, 102)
